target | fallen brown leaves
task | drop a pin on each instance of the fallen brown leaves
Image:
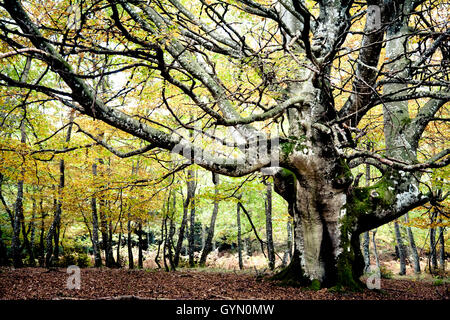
(123, 284)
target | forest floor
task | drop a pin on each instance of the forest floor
(111, 284)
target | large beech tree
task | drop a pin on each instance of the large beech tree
(308, 72)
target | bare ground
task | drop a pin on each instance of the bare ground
(39, 283)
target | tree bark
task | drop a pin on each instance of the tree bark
(289, 239)
(140, 255)
(412, 245)
(208, 242)
(191, 235)
(366, 243)
(433, 244)
(442, 247)
(248, 246)
(401, 249)
(119, 242)
(165, 243)
(170, 244)
(366, 251)
(270, 248)
(95, 244)
(375, 252)
(54, 230)
(41, 236)
(129, 243)
(190, 193)
(3, 254)
(104, 230)
(191, 238)
(159, 244)
(18, 207)
(239, 236)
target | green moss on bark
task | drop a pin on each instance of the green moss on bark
(360, 201)
(293, 275)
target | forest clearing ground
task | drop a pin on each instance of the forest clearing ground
(104, 283)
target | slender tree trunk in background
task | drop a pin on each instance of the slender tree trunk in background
(95, 244)
(33, 226)
(204, 231)
(27, 244)
(190, 193)
(442, 247)
(191, 235)
(110, 243)
(412, 245)
(3, 254)
(41, 237)
(374, 243)
(104, 231)
(289, 239)
(58, 211)
(118, 247)
(159, 245)
(270, 248)
(208, 242)
(191, 238)
(140, 256)
(433, 257)
(165, 244)
(238, 215)
(287, 256)
(129, 244)
(366, 242)
(181, 231)
(248, 245)
(366, 251)
(48, 240)
(401, 249)
(18, 207)
(170, 244)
